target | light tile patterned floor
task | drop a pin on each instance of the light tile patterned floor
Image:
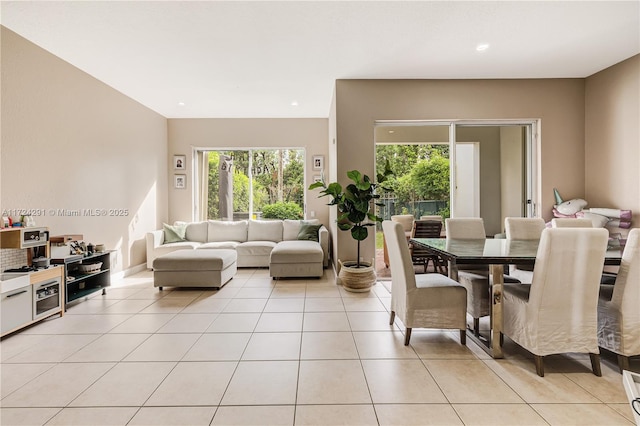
(285, 352)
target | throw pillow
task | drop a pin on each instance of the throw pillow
(309, 232)
(175, 233)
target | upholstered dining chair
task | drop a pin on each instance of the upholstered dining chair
(523, 228)
(424, 300)
(569, 222)
(619, 306)
(475, 278)
(407, 225)
(432, 217)
(557, 312)
(420, 256)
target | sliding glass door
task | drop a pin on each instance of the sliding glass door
(470, 168)
(493, 171)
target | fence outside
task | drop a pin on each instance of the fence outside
(416, 208)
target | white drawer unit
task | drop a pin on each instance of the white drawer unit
(28, 297)
(16, 306)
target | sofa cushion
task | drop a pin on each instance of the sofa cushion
(220, 245)
(291, 252)
(196, 231)
(227, 231)
(255, 248)
(291, 228)
(174, 233)
(195, 260)
(265, 230)
(309, 232)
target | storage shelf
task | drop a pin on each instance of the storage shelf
(84, 284)
(83, 277)
(82, 293)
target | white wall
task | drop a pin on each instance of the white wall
(511, 171)
(70, 142)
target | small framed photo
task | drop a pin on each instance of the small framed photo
(317, 178)
(179, 181)
(179, 162)
(318, 162)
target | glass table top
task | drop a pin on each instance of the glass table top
(494, 250)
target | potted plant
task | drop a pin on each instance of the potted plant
(355, 205)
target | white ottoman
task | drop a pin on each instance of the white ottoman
(195, 268)
(297, 258)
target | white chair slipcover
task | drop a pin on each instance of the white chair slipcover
(557, 312)
(424, 300)
(475, 278)
(523, 228)
(619, 306)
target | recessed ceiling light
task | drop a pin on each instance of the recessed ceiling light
(180, 103)
(392, 131)
(482, 47)
(294, 103)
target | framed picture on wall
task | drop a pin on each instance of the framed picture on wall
(179, 162)
(318, 162)
(179, 181)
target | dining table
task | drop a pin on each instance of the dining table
(495, 253)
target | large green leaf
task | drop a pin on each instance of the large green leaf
(359, 233)
(345, 226)
(354, 175)
(364, 186)
(316, 185)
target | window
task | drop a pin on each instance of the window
(252, 183)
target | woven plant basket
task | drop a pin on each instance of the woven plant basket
(356, 280)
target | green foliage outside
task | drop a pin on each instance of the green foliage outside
(420, 172)
(268, 187)
(289, 210)
(403, 158)
(240, 189)
(379, 240)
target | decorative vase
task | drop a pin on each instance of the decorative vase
(356, 280)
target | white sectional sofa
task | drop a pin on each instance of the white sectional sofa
(253, 240)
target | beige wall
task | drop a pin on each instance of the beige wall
(218, 133)
(488, 139)
(613, 138)
(559, 103)
(71, 142)
(511, 170)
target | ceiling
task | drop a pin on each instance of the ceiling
(281, 59)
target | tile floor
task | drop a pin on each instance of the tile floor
(263, 352)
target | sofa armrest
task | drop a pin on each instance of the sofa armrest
(324, 239)
(154, 240)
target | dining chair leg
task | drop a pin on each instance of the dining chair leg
(623, 363)
(463, 337)
(595, 364)
(501, 339)
(407, 336)
(476, 326)
(539, 365)
(393, 317)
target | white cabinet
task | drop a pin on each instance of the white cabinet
(30, 297)
(16, 307)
